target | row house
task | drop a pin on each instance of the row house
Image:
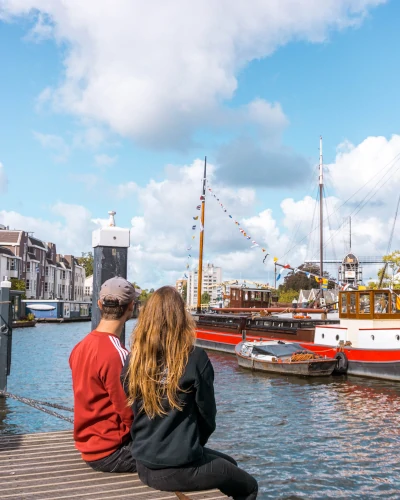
(47, 275)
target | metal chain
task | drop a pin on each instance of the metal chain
(39, 405)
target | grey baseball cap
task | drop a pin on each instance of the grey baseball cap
(117, 290)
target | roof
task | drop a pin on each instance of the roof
(38, 243)
(33, 257)
(6, 251)
(9, 236)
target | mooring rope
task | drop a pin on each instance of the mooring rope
(39, 405)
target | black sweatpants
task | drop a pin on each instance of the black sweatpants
(213, 470)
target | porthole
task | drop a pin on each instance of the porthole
(323, 335)
(337, 337)
(373, 337)
(397, 337)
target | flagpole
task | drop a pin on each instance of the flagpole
(200, 270)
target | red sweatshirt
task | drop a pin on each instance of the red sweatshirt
(102, 420)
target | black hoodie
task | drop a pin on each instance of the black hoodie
(177, 438)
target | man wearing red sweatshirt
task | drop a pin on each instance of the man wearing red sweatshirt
(102, 420)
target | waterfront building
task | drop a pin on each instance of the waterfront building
(88, 289)
(211, 276)
(47, 275)
(180, 285)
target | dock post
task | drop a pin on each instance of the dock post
(5, 333)
(110, 251)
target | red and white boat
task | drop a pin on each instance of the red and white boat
(365, 341)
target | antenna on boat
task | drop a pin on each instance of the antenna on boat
(321, 213)
(203, 207)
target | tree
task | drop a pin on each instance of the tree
(388, 271)
(86, 261)
(205, 298)
(145, 295)
(286, 296)
(300, 281)
(20, 285)
(184, 292)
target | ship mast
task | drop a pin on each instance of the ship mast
(200, 270)
(321, 213)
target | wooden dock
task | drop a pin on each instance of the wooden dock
(47, 466)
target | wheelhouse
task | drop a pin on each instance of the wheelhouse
(369, 304)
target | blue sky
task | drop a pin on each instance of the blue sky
(344, 86)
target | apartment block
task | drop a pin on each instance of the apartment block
(212, 278)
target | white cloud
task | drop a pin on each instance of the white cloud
(3, 179)
(157, 70)
(56, 144)
(104, 160)
(126, 190)
(72, 233)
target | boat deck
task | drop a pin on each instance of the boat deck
(47, 466)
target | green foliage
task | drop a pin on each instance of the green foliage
(30, 317)
(205, 298)
(87, 261)
(286, 296)
(299, 281)
(20, 285)
(184, 292)
(386, 272)
(145, 295)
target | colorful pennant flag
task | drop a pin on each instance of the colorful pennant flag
(195, 218)
(198, 207)
(193, 227)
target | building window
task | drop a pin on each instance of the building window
(28, 284)
(63, 275)
(47, 271)
(46, 287)
(28, 267)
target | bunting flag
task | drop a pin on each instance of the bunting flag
(193, 237)
(195, 218)
(189, 248)
(202, 197)
(194, 227)
(278, 277)
(198, 207)
(186, 276)
(321, 280)
(254, 243)
(276, 259)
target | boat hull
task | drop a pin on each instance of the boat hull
(361, 362)
(312, 368)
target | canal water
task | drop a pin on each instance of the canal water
(323, 438)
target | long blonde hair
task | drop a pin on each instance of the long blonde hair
(161, 343)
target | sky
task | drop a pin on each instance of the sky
(113, 105)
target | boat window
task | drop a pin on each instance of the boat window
(352, 305)
(365, 306)
(344, 303)
(381, 302)
(396, 302)
(267, 323)
(248, 322)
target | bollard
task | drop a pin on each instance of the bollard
(5, 333)
(110, 252)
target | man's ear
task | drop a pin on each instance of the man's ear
(131, 305)
(99, 303)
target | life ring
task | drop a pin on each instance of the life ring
(342, 364)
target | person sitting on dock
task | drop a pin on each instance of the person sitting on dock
(102, 419)
(170, 385)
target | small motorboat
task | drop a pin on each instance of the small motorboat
(283, 357)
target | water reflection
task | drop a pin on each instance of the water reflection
(302, 438)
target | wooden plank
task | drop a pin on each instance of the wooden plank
(47, 466)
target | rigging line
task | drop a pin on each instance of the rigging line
(394, 225)
(348, 199)
(329, 222)
(310, 246)
(360, 206)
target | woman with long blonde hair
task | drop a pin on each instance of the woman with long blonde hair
(170, 387)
